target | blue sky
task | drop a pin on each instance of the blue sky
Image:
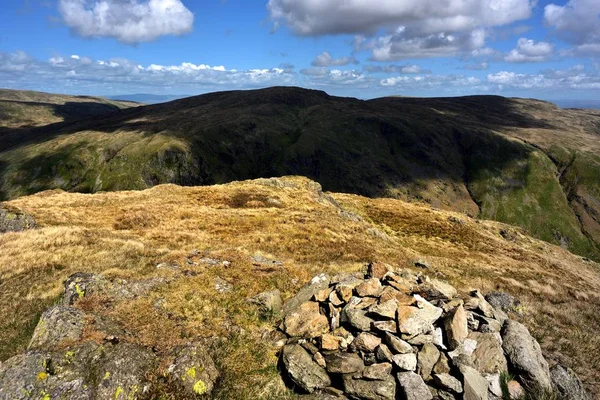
(363, 48)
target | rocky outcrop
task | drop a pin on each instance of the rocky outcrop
(567, 385)
(395, 335)
(15, 220)
(61, 363)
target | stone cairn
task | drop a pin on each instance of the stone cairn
(396, 335)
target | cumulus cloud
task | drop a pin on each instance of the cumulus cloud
(322, 77)
(396, 69)
(530, 51)
(432, 82)
(414, 28)
(478, 66)
(577, 22)
(326, 60)
(25, 71)
(574, 78)
(128, 21)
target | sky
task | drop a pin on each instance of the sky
(548, 49)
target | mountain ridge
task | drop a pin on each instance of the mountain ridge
(487, 156)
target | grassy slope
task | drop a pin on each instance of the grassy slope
(126, 234)
(481, 155)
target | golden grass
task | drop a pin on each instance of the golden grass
(126, 234)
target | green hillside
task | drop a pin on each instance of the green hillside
(487, 156)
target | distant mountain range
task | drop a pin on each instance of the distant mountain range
(148, 98)
(523, 162)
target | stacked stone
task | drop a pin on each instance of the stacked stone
(389, 334)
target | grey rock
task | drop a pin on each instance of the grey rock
(502, 301)
(378, 270)
(456, 327)
(567, 384)
(370, 389)
(222, 286)
(15, 220)
(448, 382)
(412, 387)
(437, 290)
(406, 362)
(269, 303)
(426, 360)
(305, 294)
(377, 372)
(478, 303)
(366, 342)
(357, 319)
(475, 386)
(383, 353)
(57, 324)
(386, 310)
(416, 320)
(303, 370)
(369, 288)
(488, 357)
(259, 260)
(525, 356)
(397, 345)
(344, 363)
(195, 368)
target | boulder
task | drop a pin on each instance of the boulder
(416, 320)
(406, 362)
(383, 353)
(478, 303)
(378, 270)
(330, 342)
(437, 290)
(397, 345)
(370, 389)
(448, 382)
(567, 384)
(385, 310)
(357, 319)
(57, 324)
(366, 342)
(502, 301)
(515, 390)
(525, 356)
(194, 367)
(456, 327)
(488, 357)
(412, 387)
(377, 372)
(319, 282)
(269, 303)
(385, 326)
(305, 321)
(475, 386)
(344, 363)
(369, 288)
(14, 220)
(426, 360)
(303, 370)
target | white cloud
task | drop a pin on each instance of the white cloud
(396, 69)
(477, 67)
(530, 51)
(326, 60)
(432, 81)
(129, 21)
(577, 22)
(322, 76)
(415, 28)
(574, 78)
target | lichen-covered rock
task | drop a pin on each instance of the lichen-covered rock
(525, 356)
(435, 289)
(85, 372)
(194, 367)
(426, 360)
(366, 342)
(57, 324)
(488, 357)
(412, 387)
(344, 363)
(456, 326)
(406, 362)
(448, 382)
(357, 318)
(567, 384)
(502, 301)
(370, 389)
(303, 370)
(15, 220)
